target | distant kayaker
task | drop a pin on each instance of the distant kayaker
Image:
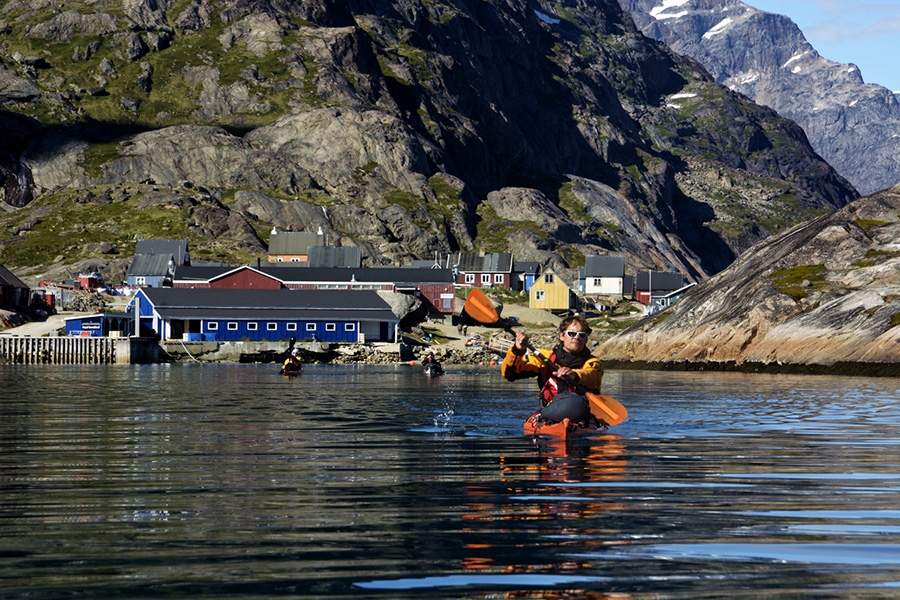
(563, 373)
(292, 363)
(430, 362)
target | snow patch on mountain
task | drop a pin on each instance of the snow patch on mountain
(660, 13)
(720, 27)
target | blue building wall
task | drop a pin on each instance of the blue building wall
(98, 325)
(328, 330)
(91, 326)
(323, 331)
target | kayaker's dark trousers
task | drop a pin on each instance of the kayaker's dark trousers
(567, 405)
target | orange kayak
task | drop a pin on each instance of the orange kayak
(563, 430)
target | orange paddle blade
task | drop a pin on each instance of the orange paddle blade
(607, 409)
(479, 307)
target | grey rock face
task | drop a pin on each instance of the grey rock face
(824, 292)
(852, 124)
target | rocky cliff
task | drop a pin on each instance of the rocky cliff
(852, 124)
(406, 128)
(823, 293)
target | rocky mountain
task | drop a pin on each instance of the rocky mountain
(406, 128)
(826, 292)
(853, 125)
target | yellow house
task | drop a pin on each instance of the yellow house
(550, 292)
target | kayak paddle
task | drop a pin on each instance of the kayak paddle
(480, 308)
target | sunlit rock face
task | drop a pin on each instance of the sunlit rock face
(824, 292)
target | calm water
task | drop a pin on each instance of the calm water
(211, 481)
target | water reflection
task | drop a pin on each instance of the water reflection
(216, 481)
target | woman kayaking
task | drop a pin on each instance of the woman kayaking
(292, 364)
(570, 366)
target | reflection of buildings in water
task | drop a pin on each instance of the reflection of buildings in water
(572, 594)
(538, 513)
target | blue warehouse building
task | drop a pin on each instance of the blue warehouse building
(233, 315)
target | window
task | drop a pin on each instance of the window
(330, 327)
(470, 277)
(251, 326)
(292, 327)
(271, 326)
(597, 281)
(212, 326)
(485, 279)
(548, 278)
(498, 277)
(310, 326)
(140, 281)
(295, 259)
(232, 326)
(540, 295)
(349, 326)
(279, 259)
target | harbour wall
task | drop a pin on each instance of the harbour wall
(78, 350)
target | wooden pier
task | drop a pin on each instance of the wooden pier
(78, 350)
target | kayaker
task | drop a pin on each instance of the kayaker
(292, 363)
(563, 373)
(432, 362)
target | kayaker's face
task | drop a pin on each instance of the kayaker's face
(573, 338)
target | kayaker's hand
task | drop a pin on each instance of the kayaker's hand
(567, 375)
(521, 342)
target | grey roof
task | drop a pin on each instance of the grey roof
(176, 248)
(294, 242)
(153, 265)
(334, 256)
(525, 266)
(605, 265)
(362, 305)
(659, 281)
(497, 262)
(291, 274)
(7, 277)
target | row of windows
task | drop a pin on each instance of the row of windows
(233, 326)
(485, 278)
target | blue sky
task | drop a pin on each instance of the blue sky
(865, 33)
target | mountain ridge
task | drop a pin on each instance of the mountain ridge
(853, 125)
(401, 128)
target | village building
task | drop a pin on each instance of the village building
(293, 246)
(484, 270)
(234, 315)
(99, 325)
(177, 249)
(551, 292)
(523, 275)
(650, 287)
(434, 287)
(151, 270)
(603, 275)
(13, 291)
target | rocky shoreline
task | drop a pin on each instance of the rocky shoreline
(844, 368)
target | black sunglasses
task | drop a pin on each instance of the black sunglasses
(575, 334)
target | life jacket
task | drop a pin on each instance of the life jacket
(550, 389)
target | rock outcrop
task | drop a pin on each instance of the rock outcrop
(823, 293)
